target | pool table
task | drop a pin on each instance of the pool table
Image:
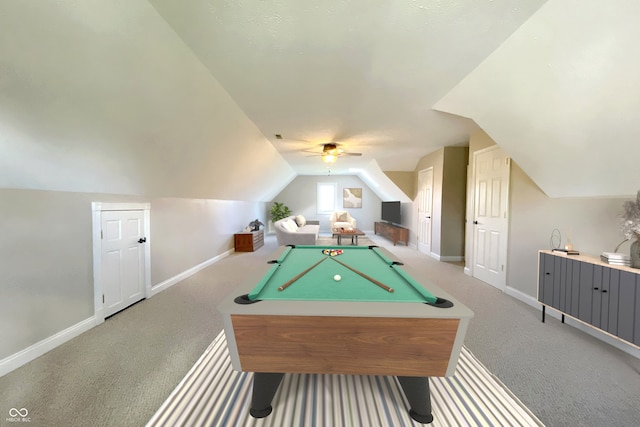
(378, 318)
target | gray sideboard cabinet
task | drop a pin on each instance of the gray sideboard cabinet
(603, 296)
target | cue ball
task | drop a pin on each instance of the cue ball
(337, 277)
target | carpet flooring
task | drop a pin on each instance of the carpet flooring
(120, 372)
(213, 394)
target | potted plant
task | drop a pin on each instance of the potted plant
(279, 211)
(631, 227)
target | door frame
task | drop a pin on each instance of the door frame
(471, 209)
(97, 208)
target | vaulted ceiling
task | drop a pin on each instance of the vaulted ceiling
(362, 73)
(172, 98)
(554, 83)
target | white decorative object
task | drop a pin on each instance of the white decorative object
(631, 227)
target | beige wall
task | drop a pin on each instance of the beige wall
(449, 200)
(45, 259)
(405, 181)
(478, 141)
(188, 232)
(454, 196)
(46, 253)
(434, 160)
(300, 196)
(591, 223)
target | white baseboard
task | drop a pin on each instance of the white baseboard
(525, 298)
(185, 274)
(446, 258)
(25, 356)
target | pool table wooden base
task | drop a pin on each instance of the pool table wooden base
(410, 349)
(344, 345)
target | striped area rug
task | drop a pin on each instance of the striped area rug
(213, 394)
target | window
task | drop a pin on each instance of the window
(326, 197)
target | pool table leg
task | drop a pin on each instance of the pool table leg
(416, 389)
(265, 386)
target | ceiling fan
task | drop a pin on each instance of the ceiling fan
(331, 152)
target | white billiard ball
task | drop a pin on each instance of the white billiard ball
(337, 277)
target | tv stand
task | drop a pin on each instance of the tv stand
(392, 232)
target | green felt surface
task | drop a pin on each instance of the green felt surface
(318, 284)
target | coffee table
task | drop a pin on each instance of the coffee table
(353, 233)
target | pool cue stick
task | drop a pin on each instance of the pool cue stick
(286, 285)
(371, 279)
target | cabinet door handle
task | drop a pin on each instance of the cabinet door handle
(596, 288)
(547, 273)
(604, 291)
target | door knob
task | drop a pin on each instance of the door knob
(142, 240)
(475, 222)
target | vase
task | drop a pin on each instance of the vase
(635, 254)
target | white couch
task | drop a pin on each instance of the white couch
(297, 230)
(342, 219)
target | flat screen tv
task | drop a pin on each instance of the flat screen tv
(391, 212)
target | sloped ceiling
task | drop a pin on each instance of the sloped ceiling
(359, 72)
(102, 97)
(172, 98)
(562, 97)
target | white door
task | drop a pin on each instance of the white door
(425, 198)
(123, 259)
(490, 222)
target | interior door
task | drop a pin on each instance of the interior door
(491, 223)
(123, 266)
(425, 203)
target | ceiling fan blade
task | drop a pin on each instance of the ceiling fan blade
(351, 154)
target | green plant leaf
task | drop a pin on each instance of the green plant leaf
(278, 211)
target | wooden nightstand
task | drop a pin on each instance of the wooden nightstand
(249, 241)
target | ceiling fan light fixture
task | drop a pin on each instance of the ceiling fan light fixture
(329, 158)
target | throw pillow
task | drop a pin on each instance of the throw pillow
(343, 217)
(285, 225)
(293, 227)
(300, 220)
